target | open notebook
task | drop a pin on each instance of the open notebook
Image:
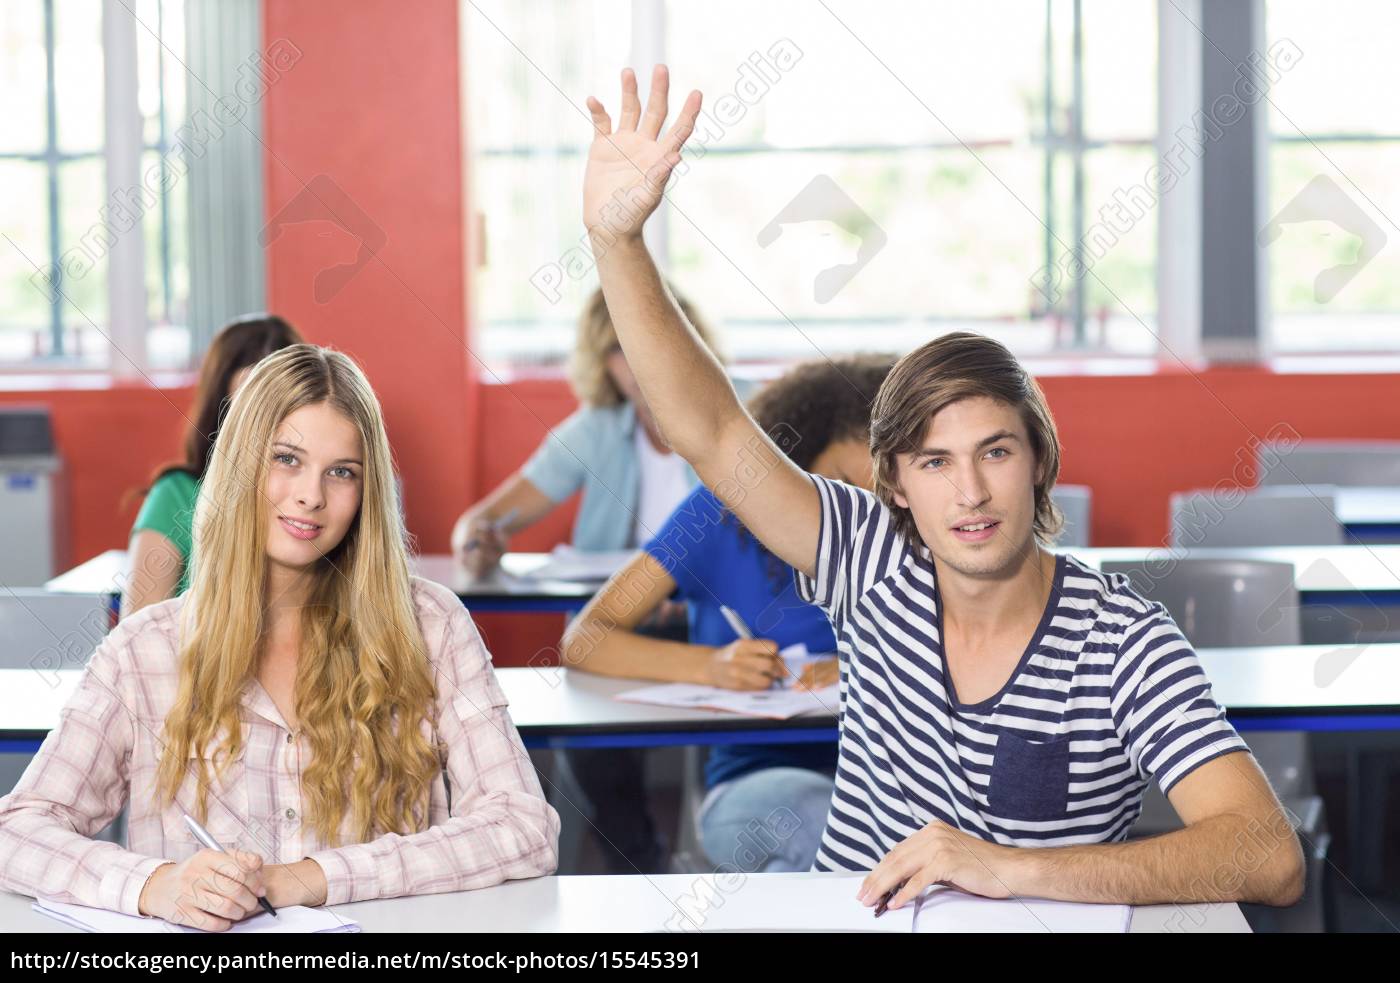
(780, 702)
(293, 918)
(828, 904)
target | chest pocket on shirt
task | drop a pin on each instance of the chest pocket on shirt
(1029, 780)
(227, 819)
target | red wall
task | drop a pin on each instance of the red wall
(373, 104)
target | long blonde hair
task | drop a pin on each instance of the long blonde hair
(363, 681)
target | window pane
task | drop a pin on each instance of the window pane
(84, 245)
(1120, 69)
(1333, 284)
(956, 242)
(157, 59)
(22, 73)
(78, 74)
(853, 82)
(533, 64)
(1347, 76)
(850, 142)
(24, 306)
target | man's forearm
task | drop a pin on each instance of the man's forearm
(1224, 858)
(684, 384)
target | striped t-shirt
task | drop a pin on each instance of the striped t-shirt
(1107, 696)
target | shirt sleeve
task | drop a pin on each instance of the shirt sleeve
(169, 510)
(1162, 704)
(857, 545)
(500, 826)
(556, 468)
(676, 545)
(75, 786)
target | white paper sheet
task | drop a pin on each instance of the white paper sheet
(944, 909)
(293, 919)
(567, 563)
(828, 904)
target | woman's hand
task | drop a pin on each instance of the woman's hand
(747, 663)
(820, 674)
(210, 890)
(628, 167)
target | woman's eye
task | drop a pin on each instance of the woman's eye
(345, 473)
(287, 459)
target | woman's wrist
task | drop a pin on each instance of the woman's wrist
(143, 906)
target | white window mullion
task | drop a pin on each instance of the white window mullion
(1179, 47)
(126, 259)
(649, 49)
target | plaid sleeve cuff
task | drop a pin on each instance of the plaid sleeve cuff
(350, 874)
(123, 882)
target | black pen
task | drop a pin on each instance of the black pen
(884, 904)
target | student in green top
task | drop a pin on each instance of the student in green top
(160, 539)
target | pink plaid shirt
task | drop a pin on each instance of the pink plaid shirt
(104, 751)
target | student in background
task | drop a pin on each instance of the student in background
(160, 538)
(610, 447)
(819, 413)
(331, 717)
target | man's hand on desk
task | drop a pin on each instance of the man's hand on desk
(940, 854)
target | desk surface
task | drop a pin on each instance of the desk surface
(106, 573)
(1273, 681)
(598, 904)
(1317, 570)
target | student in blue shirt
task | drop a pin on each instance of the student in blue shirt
(610, 447)
(766, 803)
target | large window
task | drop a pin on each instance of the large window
(865, 175)
(1332, 245)
(60, 217)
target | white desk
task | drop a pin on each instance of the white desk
(603, 904)
(1290, 687)
(1318, 571)
(512, 589)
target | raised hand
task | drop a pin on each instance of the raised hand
(628, 166)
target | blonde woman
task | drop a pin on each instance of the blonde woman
(610, 447)
(329, 718)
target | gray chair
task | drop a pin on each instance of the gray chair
(1075, 502)
(1284, 516)
(1348, 463)
(1225, 603)
(47, 632)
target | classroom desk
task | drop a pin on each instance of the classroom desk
(1323, 574)
(1370, 514)
(1290, 687)
(603, 904)
(1367, 574)
(508, 591)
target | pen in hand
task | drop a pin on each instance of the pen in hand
(742, 630)
(496, 526)
(202, 835)
(884, 904)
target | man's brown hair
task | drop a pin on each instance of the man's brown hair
(950, 368)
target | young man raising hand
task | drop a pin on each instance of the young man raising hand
(1003, 709)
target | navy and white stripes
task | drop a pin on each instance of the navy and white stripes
(1107, 696)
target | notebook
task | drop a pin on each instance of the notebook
(828, 904)
(780, 702)
(293, 918)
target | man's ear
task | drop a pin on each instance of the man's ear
(896, 493)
